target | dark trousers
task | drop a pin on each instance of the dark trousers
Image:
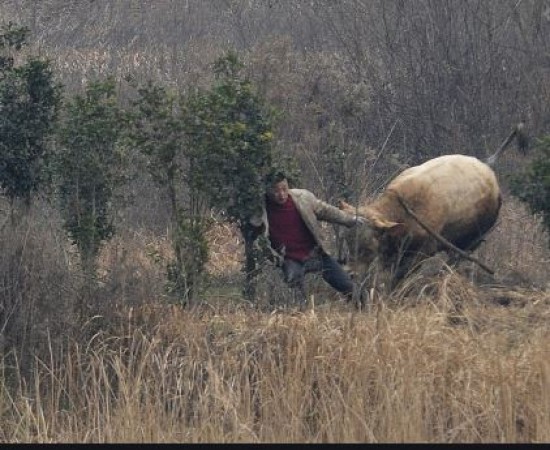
(332, 272)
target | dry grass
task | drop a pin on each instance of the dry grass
(399, 374)
(447, 358)
(518, 247)
(146, 252)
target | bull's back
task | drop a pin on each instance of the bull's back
(457, 195)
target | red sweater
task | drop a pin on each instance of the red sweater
(288, 229)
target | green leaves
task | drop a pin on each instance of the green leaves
(90, 165)
(230, 132)
(230, 149)
(29, 101)
(533, 186)
(157, 131)
(217, 143)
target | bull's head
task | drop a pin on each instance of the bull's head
(364, 241)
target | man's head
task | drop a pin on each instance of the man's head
(277, 187)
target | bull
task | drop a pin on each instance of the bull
(448, 203)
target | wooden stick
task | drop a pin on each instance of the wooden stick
(442, 240)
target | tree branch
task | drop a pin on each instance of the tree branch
(442, 240)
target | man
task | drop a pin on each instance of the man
(290, 222)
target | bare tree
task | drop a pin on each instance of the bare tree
(454, 74)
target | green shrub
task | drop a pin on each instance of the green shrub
(533, 185)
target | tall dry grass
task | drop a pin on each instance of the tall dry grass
(518, 248)
(448, 357)
(236, 374)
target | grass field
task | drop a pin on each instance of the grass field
(449, 357)
(234, 374)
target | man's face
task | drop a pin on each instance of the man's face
(278, 192)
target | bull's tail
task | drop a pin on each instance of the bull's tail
(519, 133)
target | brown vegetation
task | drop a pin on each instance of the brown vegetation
(227, 374)
(441, 360)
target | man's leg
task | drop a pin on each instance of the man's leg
(293, 273)
(334, 274)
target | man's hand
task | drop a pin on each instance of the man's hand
(275, 257)
(358, 220)
(278, 260)
(251, 232)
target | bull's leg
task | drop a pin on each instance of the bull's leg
(405, 260)
(470, 246)
(409, 260)
(472, 240)
(363, 280)
(401, 270)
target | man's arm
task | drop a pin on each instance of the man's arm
(328, 213)
(252, 230)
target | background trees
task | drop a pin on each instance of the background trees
(89, 167)
(447, 72)
(231, 135)
(532, 185)
(29, 98)
(158, 132)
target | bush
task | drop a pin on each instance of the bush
(533, 185)
(29, 100)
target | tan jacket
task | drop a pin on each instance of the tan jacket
(312, 210)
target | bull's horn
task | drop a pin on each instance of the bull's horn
(378, 222)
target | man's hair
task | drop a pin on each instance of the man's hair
(274, 177)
